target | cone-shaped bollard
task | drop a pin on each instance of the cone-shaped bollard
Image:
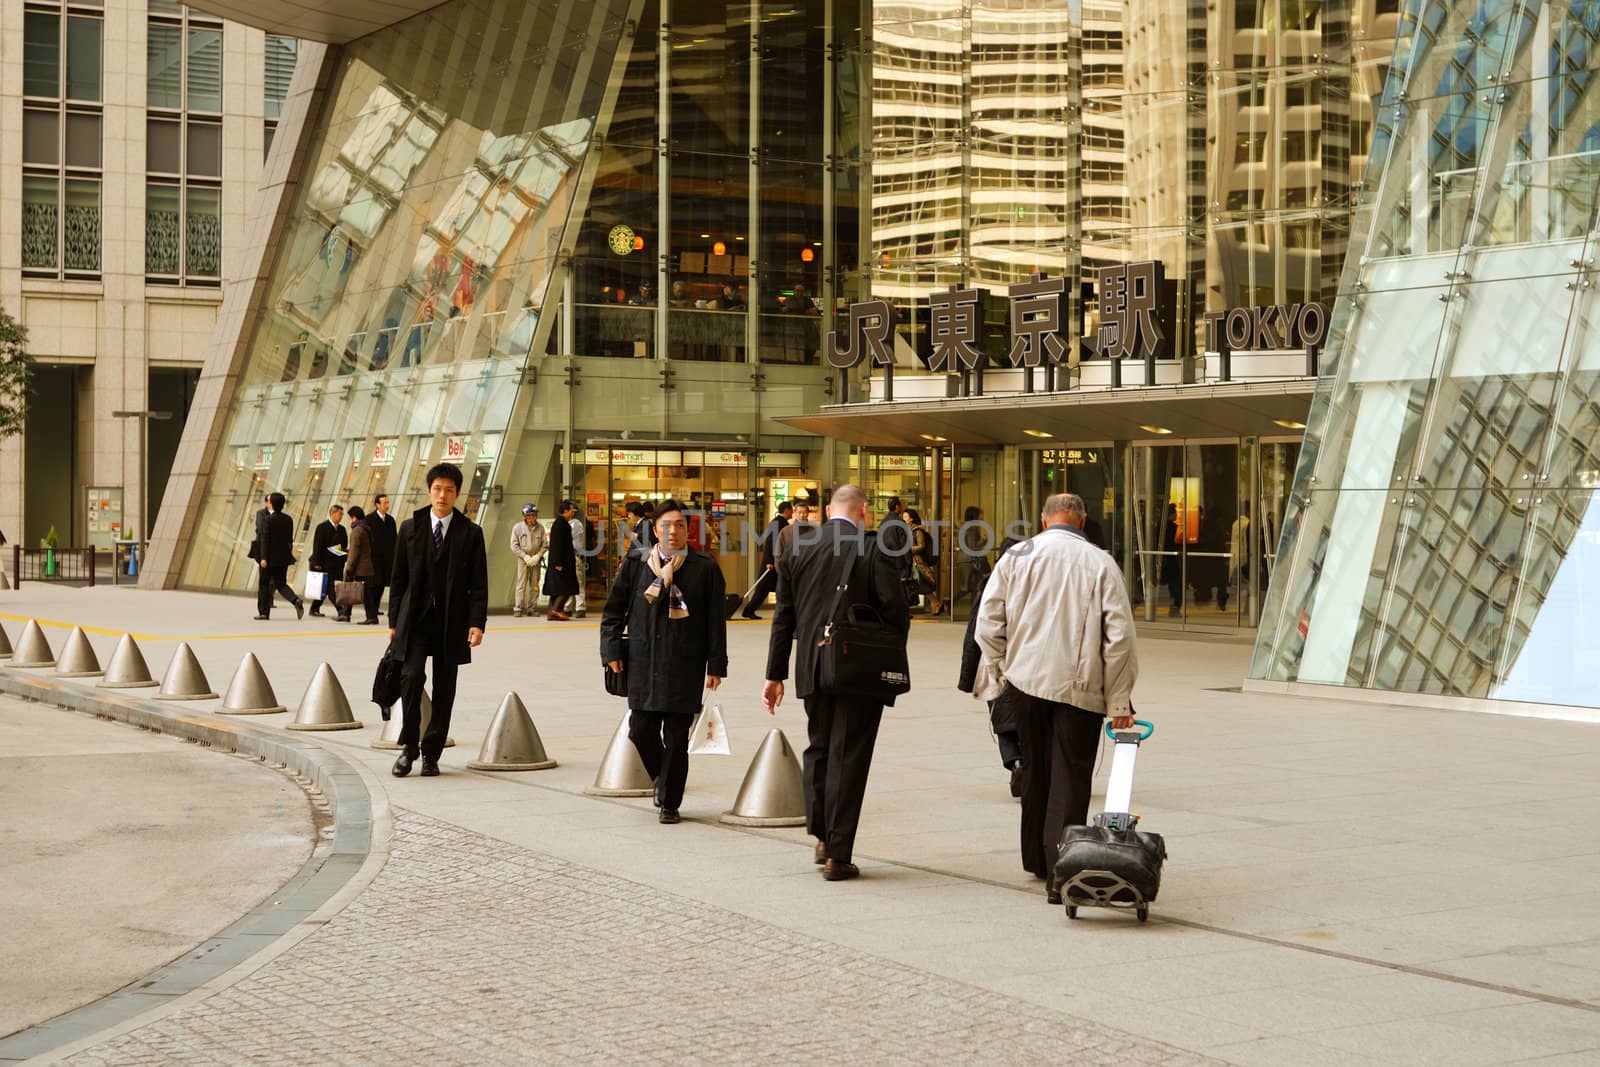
(390, 736)
(324, 707)
(771, 794)
(127, 669)
(512, 743)
(249, 693)
(77, 657)
(32, 648)
(5, 641)
(621, 773)
(184, 679)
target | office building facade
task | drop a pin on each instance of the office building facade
(136, 134)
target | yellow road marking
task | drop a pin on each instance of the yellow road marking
(360, 631)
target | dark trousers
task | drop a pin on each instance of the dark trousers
(316, 605)
(1059, 742)
(662, 738)
(840, 736)
(761, 590)
(269, 579)
(370, 598)
(426, 640)
(561, 603)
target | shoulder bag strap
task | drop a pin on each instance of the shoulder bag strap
(838, 591)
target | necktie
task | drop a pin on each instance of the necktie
(438, 536)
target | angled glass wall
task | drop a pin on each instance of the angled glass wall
(1443, 535)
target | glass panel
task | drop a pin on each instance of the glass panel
(166, 7)
(164, 52)
(83, 140)
(161, 233)
(205, 70)
(1214, 485)
(203, 233)
(83, 58)
(1553, 638)
(1165, 519)
(791, 252)
(41, 54)
(710, 212)
(81, 226)
(41, 137)
(164, 146)
(40, 222)
(205, 149)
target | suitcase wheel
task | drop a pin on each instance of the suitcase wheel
(1143, 912)
(1072, 911)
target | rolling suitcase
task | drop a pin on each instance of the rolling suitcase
(1112, 864)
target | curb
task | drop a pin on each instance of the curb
(333, 875)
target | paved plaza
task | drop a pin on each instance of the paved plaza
(1348, 882)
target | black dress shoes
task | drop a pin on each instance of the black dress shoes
(669, 815)
(430, 767)
(263, 618)
(839, 871)
(402, 766)
(299, 610)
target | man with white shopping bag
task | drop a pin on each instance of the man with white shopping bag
(665, 626)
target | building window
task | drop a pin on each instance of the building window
(183, 147)
(61, 132)
(281, 55)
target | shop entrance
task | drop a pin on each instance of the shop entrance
(731, 499)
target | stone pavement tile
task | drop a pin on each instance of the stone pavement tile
(1543, 924)
(1409, 995)
(465, 949)
(1526, 969)
(1247, 970)
(1282, 1051)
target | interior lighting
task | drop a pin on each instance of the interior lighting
(638, 243)
(807, 255)
(1039, 433)
(719, 249)
(935, 438)
(1161, 430)
(1289, 424)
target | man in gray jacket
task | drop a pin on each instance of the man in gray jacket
(1055, 623)
(528, 545)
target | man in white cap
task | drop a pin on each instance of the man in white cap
(528, 545)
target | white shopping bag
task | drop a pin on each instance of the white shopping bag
(709, 736)
(316, 585)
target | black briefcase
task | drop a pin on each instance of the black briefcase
(1112, 864)
(386, 680)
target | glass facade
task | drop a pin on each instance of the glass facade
(1442, 530)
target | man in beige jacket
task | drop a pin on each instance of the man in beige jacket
(1056, 625)
(528, 545)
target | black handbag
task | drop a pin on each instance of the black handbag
(1108, 866)
(857, 655)
(386, 681)
(617, 681)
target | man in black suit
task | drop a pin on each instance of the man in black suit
(438, 607)
(768, 581)
(841, 728)
(381, 525)
(275, 554)
(330, 535)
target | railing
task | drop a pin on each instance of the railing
(67, 565)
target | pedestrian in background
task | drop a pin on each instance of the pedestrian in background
(328, 550)
(664, 621)
(637, 533)
(841, 728)
(358, 566)
(561, 570)
(528, 545)
(1056, 625)
(439, 609)
(1002, 703)
(275, 541)
(768, 580)
(924, 561)
(381, 523)
(801, 525)
(581, 547)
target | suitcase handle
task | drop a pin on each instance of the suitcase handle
(1149, 728)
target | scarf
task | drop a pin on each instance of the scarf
(662, 565)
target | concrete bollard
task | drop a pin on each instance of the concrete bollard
(184, 679)
(512, 743)
(77, 657)
(621, 773)
(772, 793)
(249, 692)
(324, 706)
(128, 669)
(33, 650)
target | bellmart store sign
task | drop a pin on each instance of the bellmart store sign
(1136, 309)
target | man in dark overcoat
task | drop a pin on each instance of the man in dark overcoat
(329, 535)
(842, 728)
(381, 524)
(664, 620)
(275, 555)
(438, 608)
(561, 565)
